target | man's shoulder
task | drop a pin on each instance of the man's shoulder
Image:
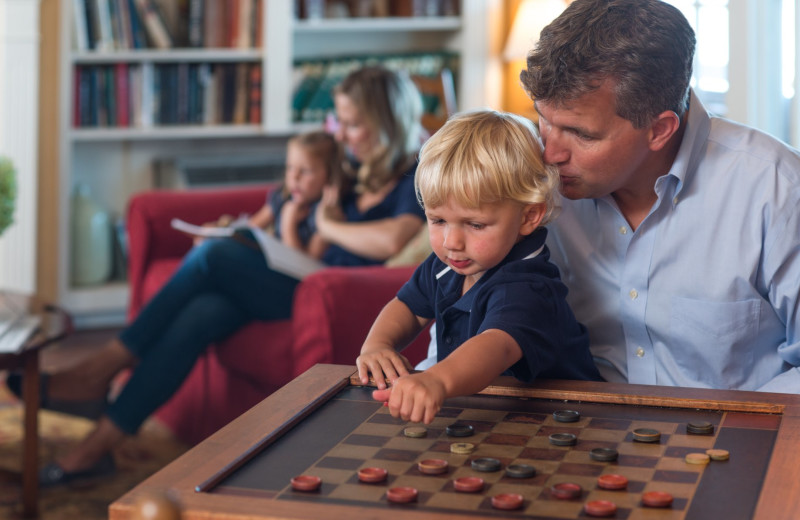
(754, 146)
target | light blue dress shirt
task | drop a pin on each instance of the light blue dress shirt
(705, 292)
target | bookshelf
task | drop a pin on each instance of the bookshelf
(116, 160)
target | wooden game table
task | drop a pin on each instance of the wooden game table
(324, 423)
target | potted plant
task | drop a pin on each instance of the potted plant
(8, 193)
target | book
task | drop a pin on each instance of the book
(154, 24)
(196, 23)
(254, 100)
(125, 25)
(80, 33)
(139, 39)
(105, 41)
(122, 96)
(278, 255)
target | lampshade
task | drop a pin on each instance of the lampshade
(532, 16)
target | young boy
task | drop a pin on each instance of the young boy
(498, 302)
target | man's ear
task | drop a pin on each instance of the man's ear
(663, 128)
(532, 215)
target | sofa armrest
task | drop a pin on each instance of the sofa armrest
(334, 309)
(151, 237)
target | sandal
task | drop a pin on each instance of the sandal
(54, 475)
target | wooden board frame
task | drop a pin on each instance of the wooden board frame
(202, 467)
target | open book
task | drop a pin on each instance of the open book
(280, 257)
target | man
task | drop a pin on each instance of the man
(679, 238)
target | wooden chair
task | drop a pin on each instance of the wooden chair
(438, 96)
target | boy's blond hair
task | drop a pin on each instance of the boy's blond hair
(483, 157)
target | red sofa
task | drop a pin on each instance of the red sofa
(331, 314)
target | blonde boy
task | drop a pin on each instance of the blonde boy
(498, 302)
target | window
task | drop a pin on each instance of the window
(709, 19)
(744, 68)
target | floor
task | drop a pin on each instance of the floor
(138, 457)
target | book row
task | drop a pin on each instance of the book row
(313, 80)
(141, 96)
(109, 25)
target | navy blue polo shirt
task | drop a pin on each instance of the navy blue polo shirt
(400, 201)
(522, 296)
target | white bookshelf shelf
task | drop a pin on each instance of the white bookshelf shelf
(168, 56)
(369, 25)
(174, 132)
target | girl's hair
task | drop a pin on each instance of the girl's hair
(483, 157)
(392, 106)
(323, 147)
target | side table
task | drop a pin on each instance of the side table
(51, 324)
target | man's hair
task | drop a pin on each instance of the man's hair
(645, 47)
(483, 157)
(391, 104)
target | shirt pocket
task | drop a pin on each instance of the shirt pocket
(713, 342)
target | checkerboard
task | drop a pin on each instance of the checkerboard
(517, 432)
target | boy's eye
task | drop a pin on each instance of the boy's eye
(477, 225)
(434, 220)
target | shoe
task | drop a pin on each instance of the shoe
(91, 409)
(54, 475)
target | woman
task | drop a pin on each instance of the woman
(221, 285)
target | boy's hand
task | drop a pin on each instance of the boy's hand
(382, 364)
(415, 398)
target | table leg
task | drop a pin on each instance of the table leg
(30, 452)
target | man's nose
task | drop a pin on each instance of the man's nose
(554, 150)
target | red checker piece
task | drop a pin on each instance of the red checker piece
(566, 490)
(612, 481)
(402, 494)
(468, 484)
(372, 474)
(306, 483)
(600, 508)
(507, 501)
(656, 499)
(432, 466)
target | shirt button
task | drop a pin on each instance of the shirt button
(640, 352)
(675, 201)
(448, 340)
(633, 294)
(623, 230)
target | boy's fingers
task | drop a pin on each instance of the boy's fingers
(363, 373)
(382, 395)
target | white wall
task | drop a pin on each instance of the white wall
(19, 87)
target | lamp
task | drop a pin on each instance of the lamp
(532, 16)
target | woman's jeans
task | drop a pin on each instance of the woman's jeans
(221, 285)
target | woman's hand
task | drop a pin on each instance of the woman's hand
(329, 209)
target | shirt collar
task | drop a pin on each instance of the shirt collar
(698, 125)
(529, 247)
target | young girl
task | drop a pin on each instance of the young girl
(498, 302)
(313, 160)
